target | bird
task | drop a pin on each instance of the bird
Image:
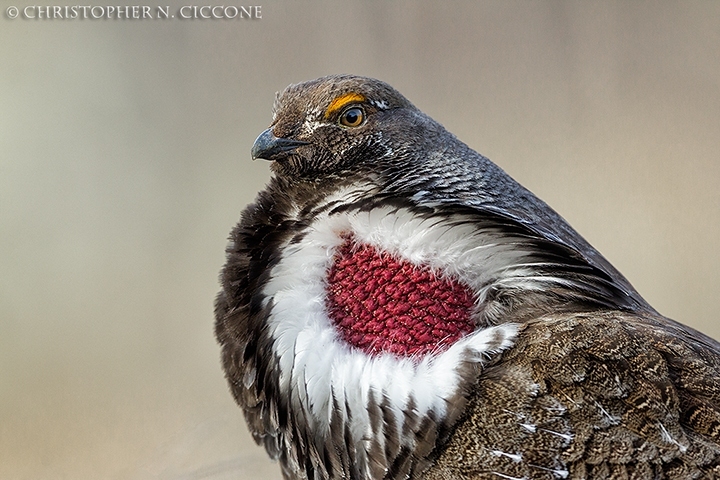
(395, 306)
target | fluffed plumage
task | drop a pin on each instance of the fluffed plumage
(395, 306)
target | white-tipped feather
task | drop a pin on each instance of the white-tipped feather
(315, 364)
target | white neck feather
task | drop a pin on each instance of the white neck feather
(319, 371)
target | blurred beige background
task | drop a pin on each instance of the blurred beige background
(125, 162)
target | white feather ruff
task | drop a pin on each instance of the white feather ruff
(317, 367)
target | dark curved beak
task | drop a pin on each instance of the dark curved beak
(269, 147)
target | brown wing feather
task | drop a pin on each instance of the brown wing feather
(605, 395)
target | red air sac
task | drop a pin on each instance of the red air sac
(380, 303)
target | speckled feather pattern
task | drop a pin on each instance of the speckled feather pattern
(568, 372)
(601, 395)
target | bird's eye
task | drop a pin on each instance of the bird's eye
(352, 117)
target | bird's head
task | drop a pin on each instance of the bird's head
(354, 139)
(335, 124)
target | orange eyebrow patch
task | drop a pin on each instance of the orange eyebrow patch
(343, 100)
